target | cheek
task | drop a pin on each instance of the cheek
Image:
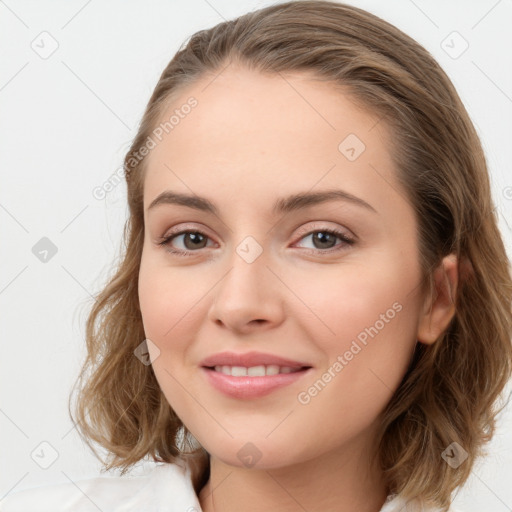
(364, 324)
(169, 300)
(170, 303)
(355, 301)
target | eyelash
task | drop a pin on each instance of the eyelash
(180, 252)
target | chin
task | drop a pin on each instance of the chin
(253, 451)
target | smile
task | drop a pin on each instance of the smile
(255, 371)
(252, 382)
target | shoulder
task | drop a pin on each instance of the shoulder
(165, 488)
(396, 503)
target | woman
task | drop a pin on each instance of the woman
(314, 308)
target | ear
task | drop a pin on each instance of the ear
(439, 309)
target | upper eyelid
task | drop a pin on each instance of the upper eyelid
(199, 226)
(303, 230)
(324, 226)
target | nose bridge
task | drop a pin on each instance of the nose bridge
(248, 269)
(246, 292)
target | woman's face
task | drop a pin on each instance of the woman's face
(276, 268)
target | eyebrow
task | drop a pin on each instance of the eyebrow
(283, 205)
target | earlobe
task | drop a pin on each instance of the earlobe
(439, 309)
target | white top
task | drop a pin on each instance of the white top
(166, 488)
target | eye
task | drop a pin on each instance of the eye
(191, 239)
(324, 240)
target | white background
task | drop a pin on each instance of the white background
(66, 123)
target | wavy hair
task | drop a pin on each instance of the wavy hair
(452, 388)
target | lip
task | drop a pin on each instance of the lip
(251, 387)
(249, 359)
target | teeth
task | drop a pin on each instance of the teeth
(272, 369)
(238, 371)
(254, 371)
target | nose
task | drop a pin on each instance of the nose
(249, 297)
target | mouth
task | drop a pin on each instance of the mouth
(253, 361)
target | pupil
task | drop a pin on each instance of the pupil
(194, 237)
(323, 238)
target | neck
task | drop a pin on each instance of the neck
(341, 481)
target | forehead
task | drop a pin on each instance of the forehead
(258, 134)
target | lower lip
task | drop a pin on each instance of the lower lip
(251, 387)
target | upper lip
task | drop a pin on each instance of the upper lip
(249, 359)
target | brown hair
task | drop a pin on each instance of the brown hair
(450, 391)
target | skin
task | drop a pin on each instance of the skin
(252, 139)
